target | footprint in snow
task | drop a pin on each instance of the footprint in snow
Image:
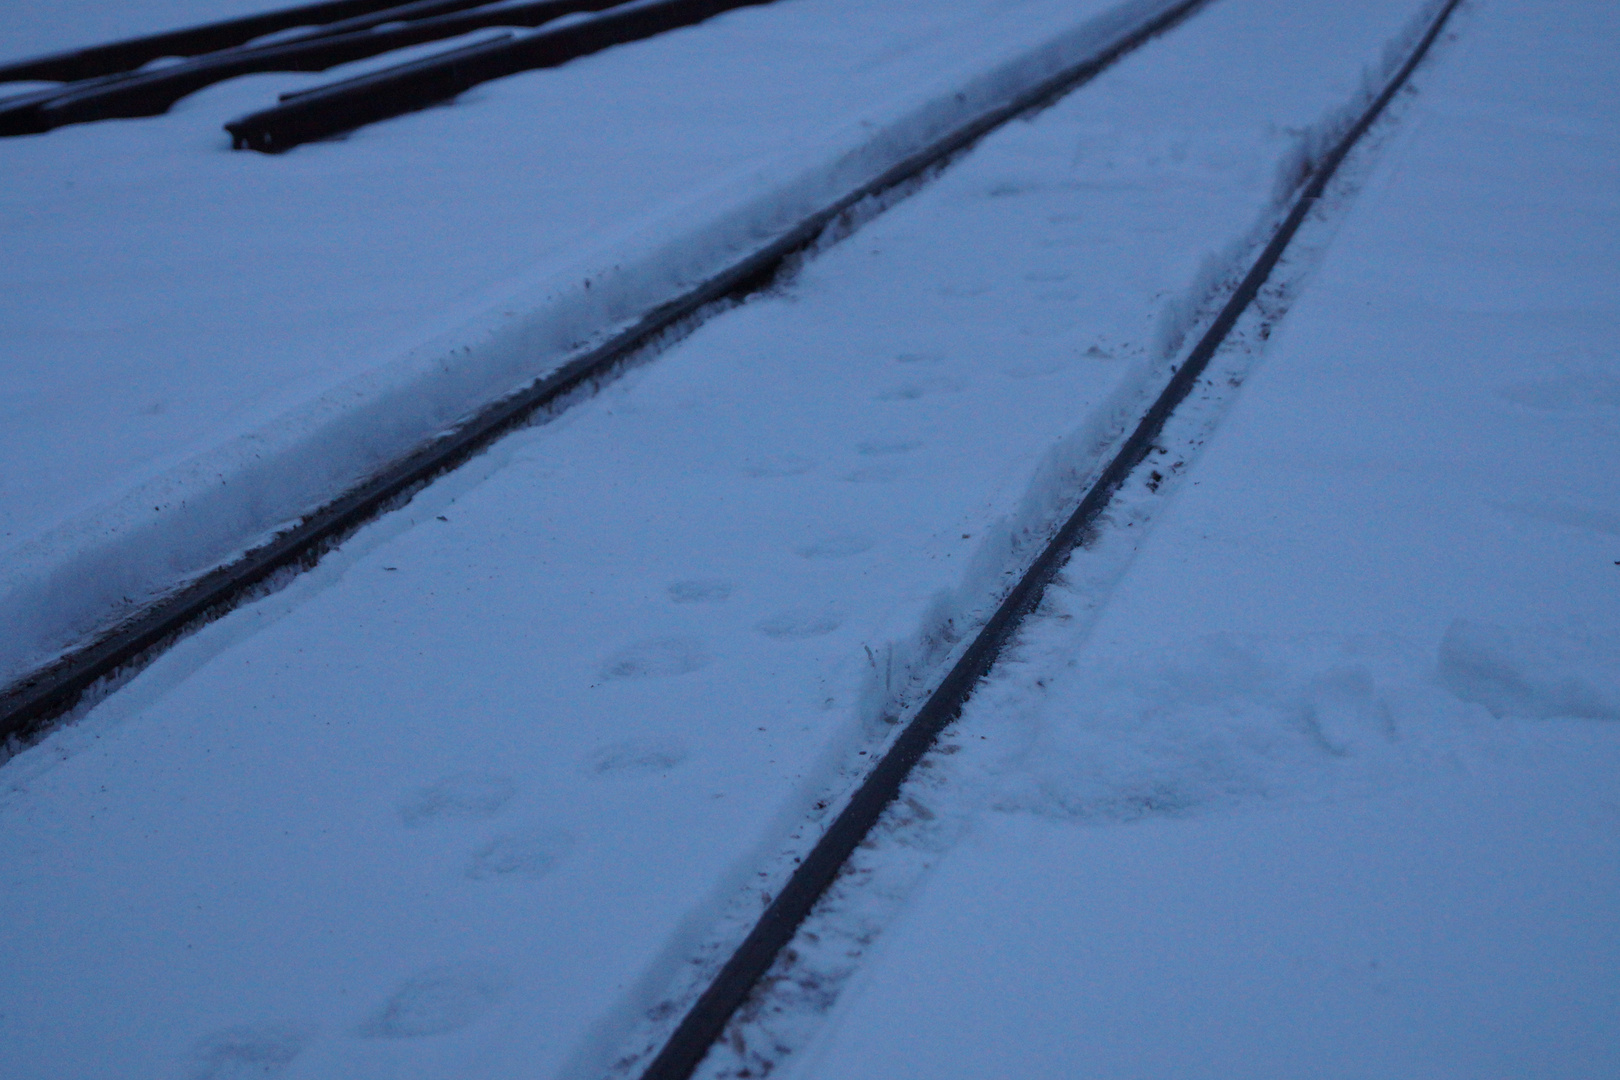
(879, 448)
(468, 796)
(836, 547)
(800, 623)
(438, 1000)
(1033, 369)
(240, 1052)
(919, 388)
(872, 474)
(636, 758)
(700, 591)
(657, 658)
(1004, 189)
(771, 465)
(531, 854)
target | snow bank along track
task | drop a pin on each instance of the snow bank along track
(707, 1018)
(32, 702)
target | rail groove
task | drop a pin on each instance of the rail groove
(705, 1021)
(30, 705)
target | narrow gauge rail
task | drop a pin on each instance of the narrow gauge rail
(30, 705)
(119, 56)
(706, 1020)
(149, 93)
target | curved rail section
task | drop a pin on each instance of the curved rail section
(30, 705)
(707, 1018)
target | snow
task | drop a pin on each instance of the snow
(1307, 766)
(1407, 935)
(1318, 777)
(1533, 672)
(518, 762)
(204, 345)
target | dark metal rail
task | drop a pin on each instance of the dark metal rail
(98, 60)
(149, 93)
(706, 1020)
(29, 705)
(325, 111)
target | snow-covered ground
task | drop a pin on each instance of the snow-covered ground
(469, 797)
(202, 345)
(1328, 783)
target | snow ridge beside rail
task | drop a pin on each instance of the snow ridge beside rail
(915, 661)
(80, 579)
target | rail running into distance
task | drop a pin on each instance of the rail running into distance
(29, 706)
(706, 1019)
(110, 83)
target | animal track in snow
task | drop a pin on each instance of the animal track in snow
(877, 448)
(469, 796)
(241, 1052)
(657, 658)
(800, 623)
(530, 854)
(967, 290)
(700, 591)
(836, 547)
(438, 1000)
(636, 758)
(872, 474)
(917, 388)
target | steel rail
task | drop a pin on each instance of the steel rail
(149, 93)
(30, 704)
(705, 1021)
(98, 60)
(344, 106)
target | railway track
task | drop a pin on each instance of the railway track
(402, 88)
(380, 95)
(30, 705)
(707, 1017)
(118, 57)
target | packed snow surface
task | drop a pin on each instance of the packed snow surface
(1331, 785)
(469, 797)
(204, 345)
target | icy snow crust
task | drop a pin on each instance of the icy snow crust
(1326, 783)
(202, 345)
(470, 797)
